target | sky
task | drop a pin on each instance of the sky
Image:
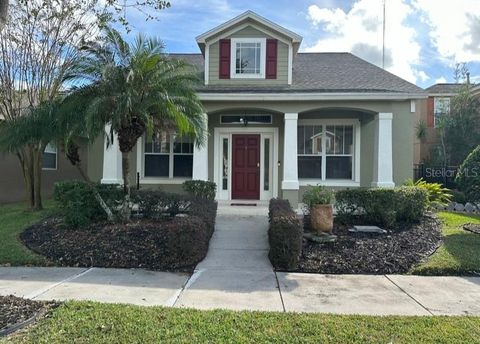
(424, 39)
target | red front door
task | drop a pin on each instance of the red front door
(246, 167)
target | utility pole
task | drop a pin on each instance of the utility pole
(383, 38)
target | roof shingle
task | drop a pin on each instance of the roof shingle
(321, 72)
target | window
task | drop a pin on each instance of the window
(225, 164)
(248, 58)
(441, 108)
(325, 152)
(249, 119)
(168, 156)
(49, 158)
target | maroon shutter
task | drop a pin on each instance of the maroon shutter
(224, 68)
(271, 63)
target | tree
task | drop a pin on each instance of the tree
(39, 45)
(462, 125)
(136, 89)
(115, 10)
(58, 121)
(3, 12)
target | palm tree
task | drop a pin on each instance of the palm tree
(136, 89)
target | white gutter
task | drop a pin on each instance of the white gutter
(307, 96)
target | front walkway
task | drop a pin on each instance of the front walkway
(236, 274)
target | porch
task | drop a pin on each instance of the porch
(258, 153)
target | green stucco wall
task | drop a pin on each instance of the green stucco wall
(402, 127)
(249, 32)
(403, 132)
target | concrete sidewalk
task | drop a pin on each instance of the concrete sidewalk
(236, 274)
(251, 290)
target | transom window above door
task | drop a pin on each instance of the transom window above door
(248, 58)
(326, 151)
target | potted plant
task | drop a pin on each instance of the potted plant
(318, 200)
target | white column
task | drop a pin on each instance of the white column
(383, 154)
(112, 161)
(200, 157)
(290, 166)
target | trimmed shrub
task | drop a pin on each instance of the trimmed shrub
(207, 211)
(200, 189)
(155, 203)
(77, 202)
(285, 235)
(382, 207)
(411, 203)
(468, 177)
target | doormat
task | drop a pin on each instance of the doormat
(244, 204)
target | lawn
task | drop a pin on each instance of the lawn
(88, 322)
(13, 220)
(460, 252)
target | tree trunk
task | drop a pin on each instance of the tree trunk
(24, 157)
(28, 182)
(126, 211)
(3, 13)
(37, 179)
(98, 197)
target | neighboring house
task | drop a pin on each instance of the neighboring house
(429, 112)
(279, 120)
(54, 168)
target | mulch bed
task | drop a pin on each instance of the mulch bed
(167, 245)
(15, 312)
(363, 253)
(472, 227)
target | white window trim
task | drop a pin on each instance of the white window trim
(158, 180)
(233, 58)
(435, 100)
(240, 123)
(355, 181)
(56, 158)
(227, 132)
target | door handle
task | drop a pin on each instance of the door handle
(258, 164)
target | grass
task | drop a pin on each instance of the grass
(89, 322)
(460, 252)
(14, 218)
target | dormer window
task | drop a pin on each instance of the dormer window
(248, 58)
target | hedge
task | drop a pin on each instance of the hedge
(285, 234)
(77, 202)
(200, 189)
(382, 207)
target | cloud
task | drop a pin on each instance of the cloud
(359, 31)
(473, 23)
(441, 80)
(423, 76)
(372, 54)
(454, 29)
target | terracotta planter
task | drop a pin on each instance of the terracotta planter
(322, 218)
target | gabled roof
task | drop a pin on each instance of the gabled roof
(255, 18)
(245, 19)
(322, 73)
(446, 89)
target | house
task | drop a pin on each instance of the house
(280, 120)
(429, 112)
(55, 167)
